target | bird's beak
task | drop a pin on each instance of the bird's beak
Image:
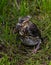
(16, 29)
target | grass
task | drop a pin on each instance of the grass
(9, 13)
(4, 60)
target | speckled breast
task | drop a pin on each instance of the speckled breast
(30, 41)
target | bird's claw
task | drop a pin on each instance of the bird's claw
(34, 51)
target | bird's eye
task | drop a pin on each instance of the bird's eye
(21, 21)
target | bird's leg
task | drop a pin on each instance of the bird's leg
(37, 47)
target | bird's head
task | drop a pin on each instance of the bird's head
(22, 22)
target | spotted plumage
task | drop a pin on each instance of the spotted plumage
(29, 33)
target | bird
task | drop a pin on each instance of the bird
(30, 34)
